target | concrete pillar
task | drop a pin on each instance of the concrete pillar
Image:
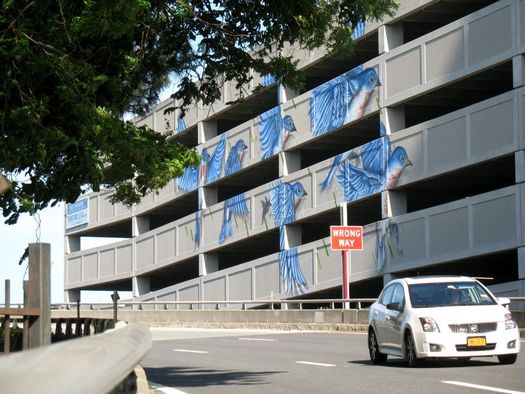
(140, 285)
(285, 94)
(387, 278)
(38, 294)
(519, 160)
(393, 118)
(139, 225)
(289, 162)
(209, 196)
(293, 235)
(72, 295)
(206, 130)
(394, 203)
(208, 263)
(71, 244)
(390, 37)
(521, 263)
(518, 71)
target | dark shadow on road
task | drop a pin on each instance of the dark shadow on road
(199, 377)
(453, 363)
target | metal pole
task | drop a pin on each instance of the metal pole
(344, 222)
(115, 299)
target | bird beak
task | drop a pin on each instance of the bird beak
(408, 163)
(379, 83)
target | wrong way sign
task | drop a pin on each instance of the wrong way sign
(346, 237)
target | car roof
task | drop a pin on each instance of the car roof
(437, 279)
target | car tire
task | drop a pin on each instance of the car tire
(373, 349)
(507, 358)
(409, 350)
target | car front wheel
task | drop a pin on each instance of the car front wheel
(410, 351)
(507, 358)
(373, 348)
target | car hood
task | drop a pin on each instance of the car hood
(464, 314)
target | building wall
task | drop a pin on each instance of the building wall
(184, 253)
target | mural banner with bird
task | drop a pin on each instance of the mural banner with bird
(274, 131)
(342, 99)
(209, 169)
(285, 199)
(369, 169)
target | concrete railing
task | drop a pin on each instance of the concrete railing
(93, 364)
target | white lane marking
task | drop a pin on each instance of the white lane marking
(164, 389)
(479, 387)
(258, 339)
(317, 364)
(190, 351)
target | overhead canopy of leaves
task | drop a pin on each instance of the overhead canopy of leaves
(69, 70)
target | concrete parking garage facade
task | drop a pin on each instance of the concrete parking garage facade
(421, 131)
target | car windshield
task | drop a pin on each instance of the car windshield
(428, 295)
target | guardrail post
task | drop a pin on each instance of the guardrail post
(39, 294)
(7, 322)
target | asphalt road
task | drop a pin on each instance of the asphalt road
(247, 361)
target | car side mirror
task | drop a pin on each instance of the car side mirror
(395, 306)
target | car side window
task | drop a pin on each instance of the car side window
(386, 297)
(399, 295)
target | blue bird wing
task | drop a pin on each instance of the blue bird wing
(374, 156)
(335, 164)
(270, 132)
(282, 203)
(189, 180)
(327, 106)
(291, 273)
(215, 163)
(233, 162)
(277, 201)
(237, 206)
(357, 182)
(181, 125)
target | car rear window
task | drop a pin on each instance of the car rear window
(428, 295)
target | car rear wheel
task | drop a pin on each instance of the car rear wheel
(410, 351)
(507, 358)
(373, 348)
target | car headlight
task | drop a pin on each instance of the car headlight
(509, 322)
(429, 324)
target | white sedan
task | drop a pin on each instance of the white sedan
(441, 317)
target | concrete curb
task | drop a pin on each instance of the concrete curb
(142, 380)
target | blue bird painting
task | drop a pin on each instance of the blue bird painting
(387, 236)
(209, 169)
(285, 199)
(342, 99)
(235, 206)
(181, 125)
(368, 170)
(274, 131)
(234, 160)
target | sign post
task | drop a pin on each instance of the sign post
(346, 238)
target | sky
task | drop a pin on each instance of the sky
(15, 238)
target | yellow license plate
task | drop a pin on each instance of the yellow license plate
(476, 341)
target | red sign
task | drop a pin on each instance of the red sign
(346, 237)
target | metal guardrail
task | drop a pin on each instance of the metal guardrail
(92, 364)
(227, 304)
(223, 304)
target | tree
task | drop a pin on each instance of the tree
(69, 70)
